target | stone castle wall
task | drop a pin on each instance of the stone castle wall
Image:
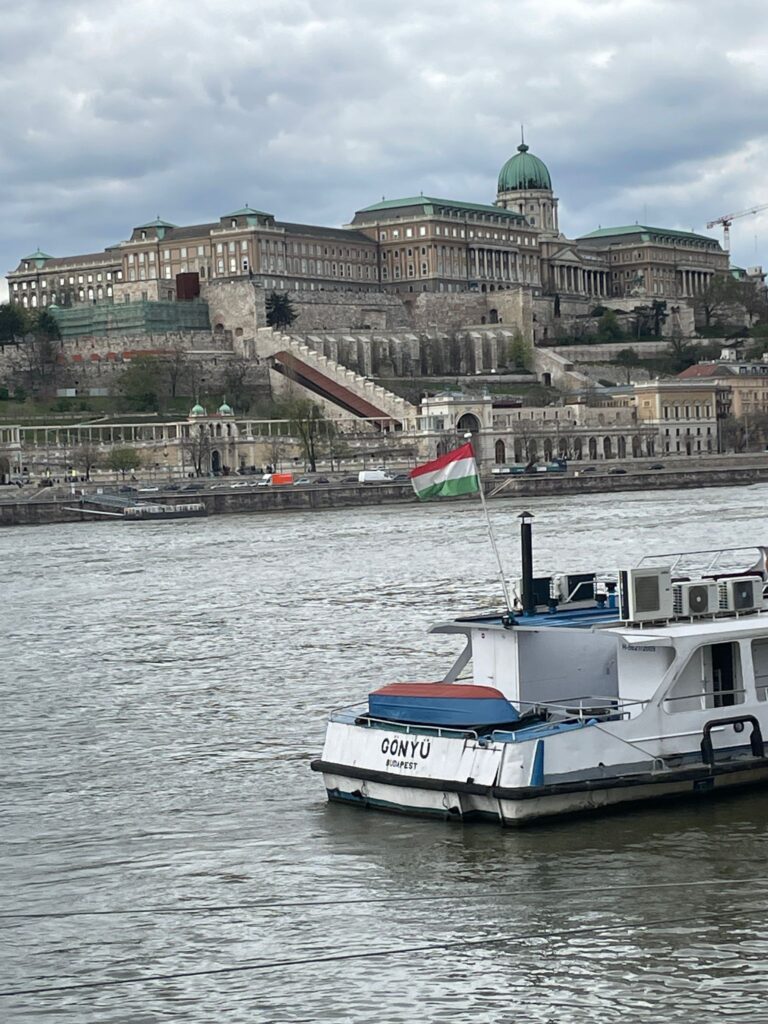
(97, 362)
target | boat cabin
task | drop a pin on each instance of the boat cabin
(590, 660)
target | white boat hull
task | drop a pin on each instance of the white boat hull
(462, 803)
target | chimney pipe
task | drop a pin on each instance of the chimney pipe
(526, 544)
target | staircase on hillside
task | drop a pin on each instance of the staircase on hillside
(344, 388)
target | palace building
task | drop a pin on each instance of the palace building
(416, 244)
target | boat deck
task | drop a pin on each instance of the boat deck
(584, 617)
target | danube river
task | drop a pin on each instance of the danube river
(164, 688)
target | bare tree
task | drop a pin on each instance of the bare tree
(175, 366)
(721, 294)
(121, 460)
(39, 354)
(197, 449)
(308, 424)
(239, 381)
(86, 457)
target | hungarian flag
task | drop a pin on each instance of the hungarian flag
(451, 474)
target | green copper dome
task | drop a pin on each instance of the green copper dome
(225, 409)
(197, 410)
(524, 171)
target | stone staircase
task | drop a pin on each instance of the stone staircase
(383, 400)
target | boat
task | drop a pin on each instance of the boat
(182, 510)
(592, 691)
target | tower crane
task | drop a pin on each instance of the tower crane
(727, 219)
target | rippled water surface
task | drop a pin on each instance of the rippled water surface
(164, 687)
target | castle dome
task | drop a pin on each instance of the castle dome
(197, 410)
(524, 171)
(225, 409)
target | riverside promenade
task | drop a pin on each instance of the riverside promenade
(239, 497)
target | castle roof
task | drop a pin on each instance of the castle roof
(524, 171)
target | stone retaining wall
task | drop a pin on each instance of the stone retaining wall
(307, 499)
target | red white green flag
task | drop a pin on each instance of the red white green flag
(449, 475)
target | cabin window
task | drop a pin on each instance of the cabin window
(712, 678)
(760, 663)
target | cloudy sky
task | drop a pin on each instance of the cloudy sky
(644, 110)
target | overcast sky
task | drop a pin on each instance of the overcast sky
(644, 110)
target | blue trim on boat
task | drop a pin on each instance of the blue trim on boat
(537, 768)
(572, 618)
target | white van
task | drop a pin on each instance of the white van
(374, 476)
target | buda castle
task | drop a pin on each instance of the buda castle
(410, 245)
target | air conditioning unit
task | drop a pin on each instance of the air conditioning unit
(699, 598)
(741, 594)
(645, 595)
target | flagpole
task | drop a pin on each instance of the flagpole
(491, 534)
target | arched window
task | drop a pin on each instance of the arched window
(468, 423)
(500, 453)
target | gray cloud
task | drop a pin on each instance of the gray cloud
(642, 109)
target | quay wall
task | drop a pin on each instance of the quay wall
(43, 512)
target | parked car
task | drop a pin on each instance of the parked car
(617, 471)
(301, 481)
(321, 480)
(401, 478)
(349, 479)
(658, 465)
(588, 469)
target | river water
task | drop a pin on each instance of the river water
(164, 686)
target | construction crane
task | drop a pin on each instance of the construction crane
(728, 219)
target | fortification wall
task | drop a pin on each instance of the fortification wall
(351, 311)
(235, 306)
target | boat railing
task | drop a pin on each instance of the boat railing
(589, 706)
(707, 698)
(354, 713)
(751, 558)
